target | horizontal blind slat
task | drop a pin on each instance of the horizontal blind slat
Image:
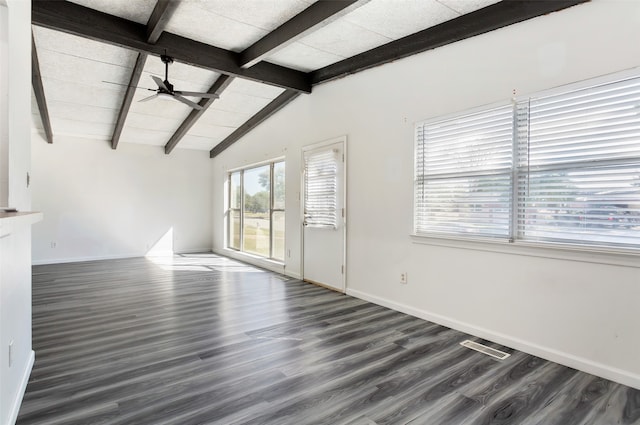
(320, 180)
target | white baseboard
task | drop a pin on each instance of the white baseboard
(112, 257)
(15, 406)
(250, 259)
(566, 359)
(294, 275)
(195, 251)
(259, 262)
(81, 259)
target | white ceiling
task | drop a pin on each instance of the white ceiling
(78, 73)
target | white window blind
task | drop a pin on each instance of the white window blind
(463, 174)
(579, 165)
(559, 168)
(321, 188)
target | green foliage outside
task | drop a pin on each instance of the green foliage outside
(258, 203)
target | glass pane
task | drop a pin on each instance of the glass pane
(234, 229)
(256, 211)
(278, 186)
(464, 205)
(597, 205)
(278, 235)
(234, 187)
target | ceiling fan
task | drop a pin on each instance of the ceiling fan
(165, 88)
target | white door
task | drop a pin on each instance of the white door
(324, 214)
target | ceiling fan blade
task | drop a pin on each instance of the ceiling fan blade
(160, 83)
(153, 96)
(187, 102)
(127, 85)
(197, 94)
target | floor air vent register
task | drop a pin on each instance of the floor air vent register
(485, 350)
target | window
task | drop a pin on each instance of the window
(255, 218)
(561, 167)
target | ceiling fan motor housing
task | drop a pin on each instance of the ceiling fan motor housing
(166, 59)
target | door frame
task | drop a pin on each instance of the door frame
(343, 140)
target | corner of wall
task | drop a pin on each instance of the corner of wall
(15, 405)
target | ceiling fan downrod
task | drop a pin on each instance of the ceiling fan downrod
(167, 60)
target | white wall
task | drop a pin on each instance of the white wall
(576, 308)
(20, 103)
(4, 105)
(15, 253)
(103, 203)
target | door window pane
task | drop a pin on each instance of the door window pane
(321, 189)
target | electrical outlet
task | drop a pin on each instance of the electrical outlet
(10, 353)
(288, 253)
(403, 278)
(53, 244)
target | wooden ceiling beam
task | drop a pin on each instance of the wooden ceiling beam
(128, 98)
(159, 18)
(157, 22)
(38, 90)
(217, 88)
(273, 107)
(89, 23)
(311, 19)
(495, 16)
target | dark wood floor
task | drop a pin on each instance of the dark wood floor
(206, 340)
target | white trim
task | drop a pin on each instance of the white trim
(262, 262)
(293, 274)
(566, 359)
(463, 113)
(587, 82)
(15, 406)
(581, 253)
(327, 142)
(82, 259)
(195, 251)
(255, 165)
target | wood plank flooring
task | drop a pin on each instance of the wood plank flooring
(201, 339)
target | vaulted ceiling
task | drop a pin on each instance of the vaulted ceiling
(94, 59)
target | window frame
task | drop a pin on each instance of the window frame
(241, 211)
(272, 209)
(231, 208)
(610, 252)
